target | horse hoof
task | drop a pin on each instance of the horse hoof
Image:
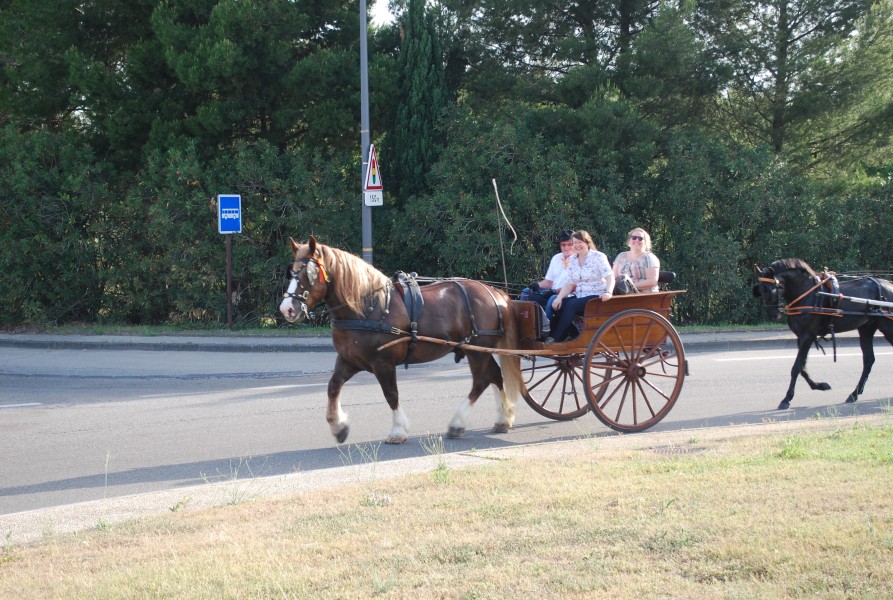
(455, 432)
(784, 405)
(823, 386)
(395, 440)
(851, 398)
(342, 435)
(501, 428)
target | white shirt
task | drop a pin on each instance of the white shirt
(558, 273)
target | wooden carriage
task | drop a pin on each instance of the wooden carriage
(627, 364)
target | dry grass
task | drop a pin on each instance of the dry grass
(798, 514)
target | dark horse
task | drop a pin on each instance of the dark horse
(812, 316)
(368, 311)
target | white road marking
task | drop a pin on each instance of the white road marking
(21, 405)
(812, 356)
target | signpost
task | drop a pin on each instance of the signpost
(229, 213)
(229, 220)
(364, 131)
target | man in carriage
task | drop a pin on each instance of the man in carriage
(556, 275)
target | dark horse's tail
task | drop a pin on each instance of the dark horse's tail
(512, 380)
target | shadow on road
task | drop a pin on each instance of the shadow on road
(285, 463)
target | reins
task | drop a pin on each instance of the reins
(827, 278)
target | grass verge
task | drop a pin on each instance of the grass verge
(797, 513)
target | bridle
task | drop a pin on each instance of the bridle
(315, 269)
(793, 308)
(771, 281)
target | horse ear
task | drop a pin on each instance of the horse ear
(757, 269)
(312, 243)
(294, 245)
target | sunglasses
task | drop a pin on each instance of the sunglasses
(637, 237)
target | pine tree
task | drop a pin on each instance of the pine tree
(413, 143)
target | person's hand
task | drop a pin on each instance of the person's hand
(534, 287)
(607, 296)
(556, 303)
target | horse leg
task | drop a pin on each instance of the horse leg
(387, 379)
(484, 371)
(821, 385)
(803, 344)
(336, 417)
(866, 342)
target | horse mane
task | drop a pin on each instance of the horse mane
(357, 283)
(791, 264)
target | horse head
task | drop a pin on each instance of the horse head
(786, 281)
(766, 288)
(309, 281)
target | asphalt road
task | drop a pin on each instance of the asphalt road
(89, 418)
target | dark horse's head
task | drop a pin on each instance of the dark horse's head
(309, 281)
(771, 283)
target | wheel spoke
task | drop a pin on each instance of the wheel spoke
(549, 390)
(645, 398)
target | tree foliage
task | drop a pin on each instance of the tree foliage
(735, 131)
(413, 143)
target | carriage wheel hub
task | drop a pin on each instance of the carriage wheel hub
(635, 371)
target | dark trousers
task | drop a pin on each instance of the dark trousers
(570, 308)
(541, 297)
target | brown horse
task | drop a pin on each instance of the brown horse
(368, 311)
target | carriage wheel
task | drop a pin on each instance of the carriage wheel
(555, 387)
(635, 366)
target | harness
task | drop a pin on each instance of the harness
(407, 285)
(822, 305)
(825, 303)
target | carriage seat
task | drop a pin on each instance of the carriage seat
(665, 278)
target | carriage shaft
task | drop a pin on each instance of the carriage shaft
(867, 301)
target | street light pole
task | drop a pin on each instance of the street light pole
(364, 133)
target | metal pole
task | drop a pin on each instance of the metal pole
(364, 133)
(229, 281)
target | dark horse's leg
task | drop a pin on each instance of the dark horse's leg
(866, 342)
(484, 371)
(386, 374)
(803, 344)
(336, 417)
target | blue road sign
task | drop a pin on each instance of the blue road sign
(229, 213)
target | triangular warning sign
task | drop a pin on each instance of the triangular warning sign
(373, 174)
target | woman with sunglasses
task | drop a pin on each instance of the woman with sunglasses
(639, 264)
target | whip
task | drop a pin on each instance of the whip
(501, 246)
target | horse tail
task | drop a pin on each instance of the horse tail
(512, 380)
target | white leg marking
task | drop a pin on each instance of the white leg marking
(460, 417)
(505, 410)
(337, 419)
(399, 428)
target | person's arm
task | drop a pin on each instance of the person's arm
(562, 294)
(609, 281)
(609, 286)
(552, 273)
(651, 274)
